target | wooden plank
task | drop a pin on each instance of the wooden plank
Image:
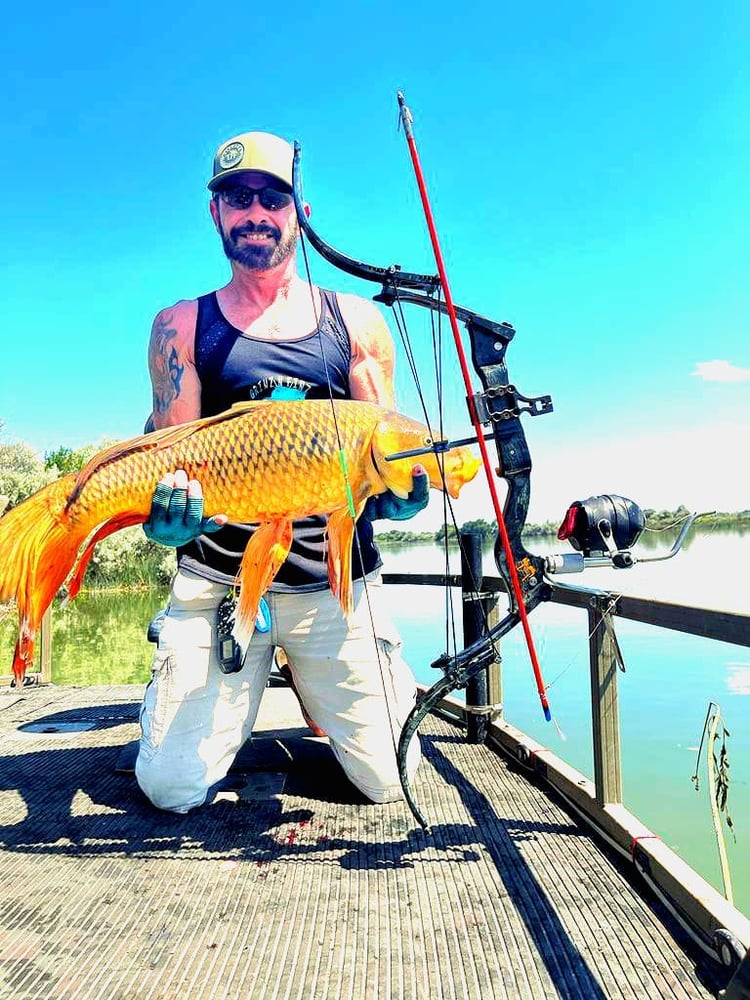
(306, 891)
(605, 712)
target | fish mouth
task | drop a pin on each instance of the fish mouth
(459, 471)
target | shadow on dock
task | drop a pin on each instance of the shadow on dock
(507, 877)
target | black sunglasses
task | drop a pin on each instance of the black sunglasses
(242, 197)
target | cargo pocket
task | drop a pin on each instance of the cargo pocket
(155, 708)
(398, 681)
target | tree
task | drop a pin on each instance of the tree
(67, 460)
(481, 527)
(22, 472)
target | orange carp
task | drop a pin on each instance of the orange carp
(265, 463)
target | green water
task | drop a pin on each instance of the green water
(664, 693)
(100, 638)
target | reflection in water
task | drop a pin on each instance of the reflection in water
(738, 678)
(100, 638)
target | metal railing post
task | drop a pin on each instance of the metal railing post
(495, 670)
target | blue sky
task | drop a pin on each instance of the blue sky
(588, 169)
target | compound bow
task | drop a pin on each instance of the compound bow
(498, 406)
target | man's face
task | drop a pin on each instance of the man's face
(258, 237)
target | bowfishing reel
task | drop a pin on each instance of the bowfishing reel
(607, 524)
(603, 530)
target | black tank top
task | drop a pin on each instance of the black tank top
(233, 367)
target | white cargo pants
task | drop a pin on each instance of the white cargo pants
(194, 718)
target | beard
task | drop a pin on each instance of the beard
(259, 257)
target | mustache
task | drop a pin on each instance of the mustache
(250, 227)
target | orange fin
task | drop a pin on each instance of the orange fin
(340, 541)
(38, 548)
(103, 531)
(262, 559)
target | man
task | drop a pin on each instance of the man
(267, 334)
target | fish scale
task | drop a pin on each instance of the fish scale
(267, 463)
(251, 473)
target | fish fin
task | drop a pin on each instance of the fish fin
(247, 405)
(38, 547)
(340, 530)
(114, 524)
(261, 561)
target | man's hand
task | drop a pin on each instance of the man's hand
(176, 516)
(388, 506)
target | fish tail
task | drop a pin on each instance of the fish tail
(261, 561)
(38, 547)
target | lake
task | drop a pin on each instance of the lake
(664, 694)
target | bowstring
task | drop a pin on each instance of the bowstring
(350, 500)
(436, 331)
(449, 515)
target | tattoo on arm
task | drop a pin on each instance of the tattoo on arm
(166, 370)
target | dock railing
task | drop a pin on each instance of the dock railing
(714, 924)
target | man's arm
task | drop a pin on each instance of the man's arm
(176, 388)
(177, 507)
(372, 363)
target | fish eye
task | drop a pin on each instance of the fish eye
(428, 442)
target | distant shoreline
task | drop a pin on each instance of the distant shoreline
(655, 521)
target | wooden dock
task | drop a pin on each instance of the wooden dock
(290, 886)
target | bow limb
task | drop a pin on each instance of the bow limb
(396, 284)
(457, 672)
(391, 276)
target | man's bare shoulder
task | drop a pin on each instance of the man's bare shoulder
(174, 327)
(181, 316)
(372, 361)
(365, 322)
(361, 311)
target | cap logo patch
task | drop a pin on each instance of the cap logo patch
(231, 155)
